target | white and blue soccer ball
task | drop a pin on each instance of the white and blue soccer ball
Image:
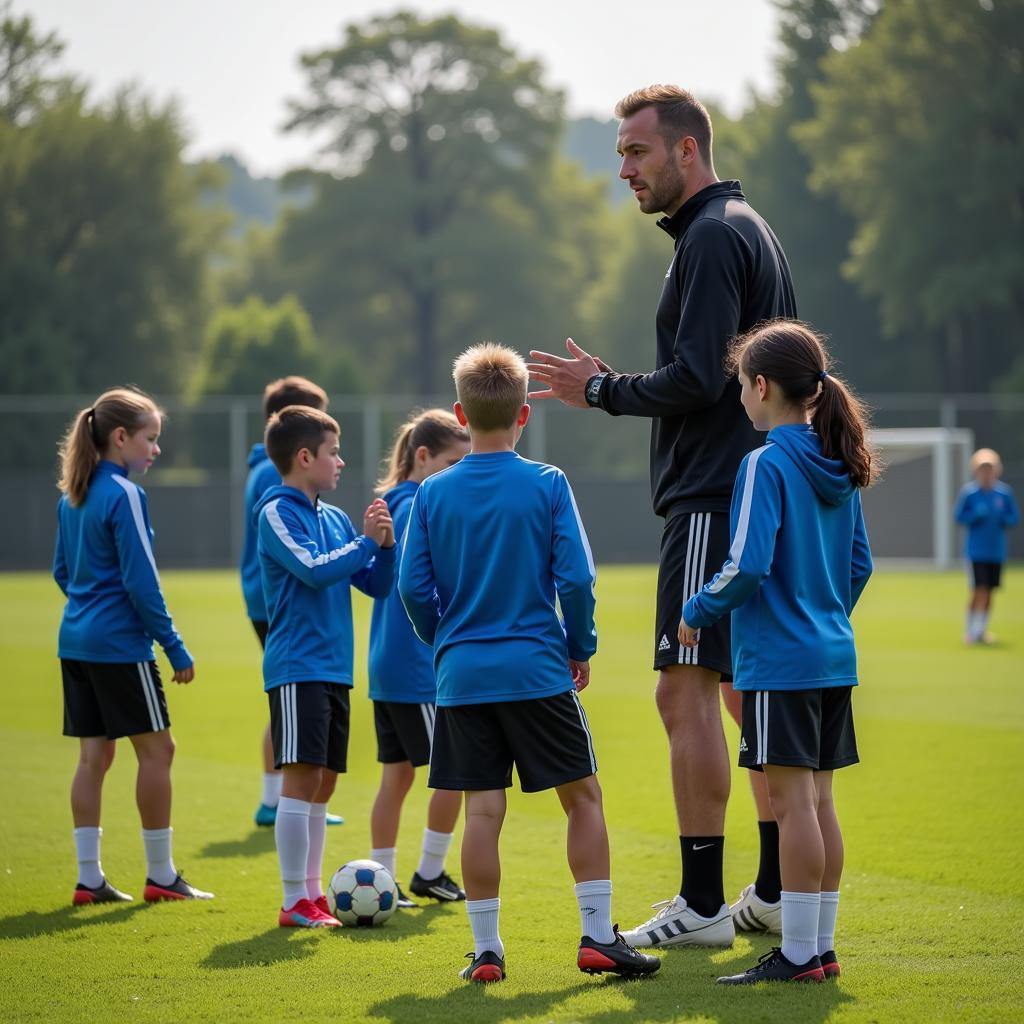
(362, 892)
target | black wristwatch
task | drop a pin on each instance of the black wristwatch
(592, 393)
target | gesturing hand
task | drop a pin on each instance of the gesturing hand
(377, 524)
(566, 379)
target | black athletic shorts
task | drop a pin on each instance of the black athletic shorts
(694, 545)
(112, 699)
(547, 738)
(262, 628)
(798, 728)
(987, 574)
(309, 724)
(404, 732)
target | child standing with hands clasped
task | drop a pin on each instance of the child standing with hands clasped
(103, 562)
(798, 561)
(401, 670)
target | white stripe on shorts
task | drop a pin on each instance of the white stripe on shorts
(289, 734)
(586, 729)
(151, 703)
(693, 572)
(761, 725)
(427, 710)
(156, 695)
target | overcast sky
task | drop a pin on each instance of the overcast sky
(231, 64)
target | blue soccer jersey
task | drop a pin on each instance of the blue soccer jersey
(987, 513)
(492, 543)
(262, 476)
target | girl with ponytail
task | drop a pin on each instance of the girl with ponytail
(401, 670)
(799, 560)
(103, 562)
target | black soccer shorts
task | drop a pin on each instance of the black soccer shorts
(112, 699)
(309, 724)
(405, 732)
(987, 574)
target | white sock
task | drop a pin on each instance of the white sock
(291, 834)
(315, 857)
(87, 848)
(982, 624)
(159, 864)
(827, 922)
(435, 849)
(386, 856)
(271, 788)
(483, 919)
(800, 911)
(595, 902)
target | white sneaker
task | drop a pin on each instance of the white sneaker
(675, 924)
(750, 913)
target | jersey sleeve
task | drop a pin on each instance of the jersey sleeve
(285, 539)
(416, 584)
(1011, 514)
(966, 512)
(712, 275)
(756, 521)
(132, 537)
(574, 573)
(60, 562)
(861, 565)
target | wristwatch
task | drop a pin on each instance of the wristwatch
(592, 393)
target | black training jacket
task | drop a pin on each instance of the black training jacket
(728, 273)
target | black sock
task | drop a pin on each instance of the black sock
(768, 884)
(702, 886)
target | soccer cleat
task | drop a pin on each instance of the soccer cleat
(443, 888)
(321, 904)
(773, 966)
(265, 816)
(179, 889)
(103, 893)
(750, 913)
(830, 964)
(616, 957)
(488, 966)
(402, 902)
(334, 819)
(306, 914)
(675, 924)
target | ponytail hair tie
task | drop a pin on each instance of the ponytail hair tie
(822, 376)
(91, 413)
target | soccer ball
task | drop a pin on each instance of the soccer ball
(362, 892)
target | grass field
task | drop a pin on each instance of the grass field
(933, 898)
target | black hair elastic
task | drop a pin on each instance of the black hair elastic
(822, 376)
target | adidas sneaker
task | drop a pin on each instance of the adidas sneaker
(675, 924)
(750, 913)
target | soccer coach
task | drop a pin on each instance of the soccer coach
(728, 272)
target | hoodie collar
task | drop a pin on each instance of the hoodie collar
(677, 224)
(829, 477)
(112, 468)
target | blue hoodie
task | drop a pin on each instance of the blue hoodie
(103, 562)
(987, 514)
(798, 562)
(310, 555)
(401, 665)
(491, 542)
(262, 476)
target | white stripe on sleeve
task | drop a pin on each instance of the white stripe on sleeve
(732, 567)
(135, 504)
(279, 528)
(583, 533)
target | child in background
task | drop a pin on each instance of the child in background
(103, 562)
(986, 507)
(401, 670)
(310, 557)
(798, 562)
(277, 395)
(491, 544)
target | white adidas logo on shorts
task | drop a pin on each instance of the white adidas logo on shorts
(664, 645)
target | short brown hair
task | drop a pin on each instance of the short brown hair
(491, 382)
(294, 428)
(279, 394)
(680, 113)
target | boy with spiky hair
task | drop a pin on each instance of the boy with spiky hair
(491, 544)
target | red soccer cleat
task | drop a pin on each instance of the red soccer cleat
(103, 893)
(306, 914)
(179, 889)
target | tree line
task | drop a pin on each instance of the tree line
(444, 208)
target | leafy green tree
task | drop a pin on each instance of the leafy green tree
(28, 83)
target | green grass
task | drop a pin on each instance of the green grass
(933, 898)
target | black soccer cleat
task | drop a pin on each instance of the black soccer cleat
(103, 893)
(773, 966)
(617, 957)
(830, 964)
(403, 902)
(443, 888)
(179, 889)
(488, 966)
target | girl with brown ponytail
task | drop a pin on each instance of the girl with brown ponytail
(798, 561)
(401, 670)
(103, 562)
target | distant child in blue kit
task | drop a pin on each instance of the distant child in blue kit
(310, 557)
(798, 561)
(492, 544)
(986, 507)
(401, 670)
(103, 562)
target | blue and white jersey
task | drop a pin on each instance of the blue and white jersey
(262, 476)
(103, 562)
(491, 543)
(798, 562)
(401, 665)
(987, 513)
(310, 557)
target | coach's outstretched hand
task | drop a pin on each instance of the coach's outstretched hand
(566, 378)
(580, 674)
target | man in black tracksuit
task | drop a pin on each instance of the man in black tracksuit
(728, 272)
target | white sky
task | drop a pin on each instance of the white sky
(231, 64)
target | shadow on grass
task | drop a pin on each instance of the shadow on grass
(258, 842)
(65, 919)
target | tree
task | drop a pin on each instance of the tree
(27, 82)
